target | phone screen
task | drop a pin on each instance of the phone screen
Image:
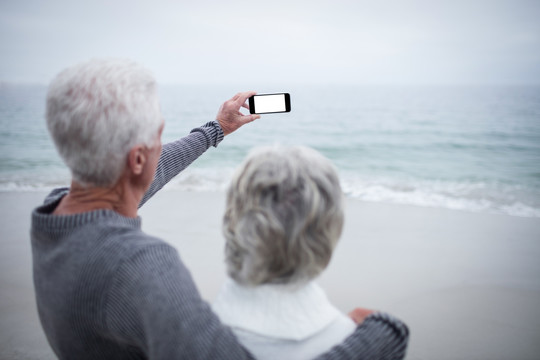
(270, 103)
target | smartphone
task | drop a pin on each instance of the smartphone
(270, 103)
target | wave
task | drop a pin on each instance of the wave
(466, 196)
(473, 196)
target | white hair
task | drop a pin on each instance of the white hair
(96, 112)
(283, 216)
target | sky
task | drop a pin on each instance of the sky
(261, 41)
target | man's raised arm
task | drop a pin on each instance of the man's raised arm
(179, 154)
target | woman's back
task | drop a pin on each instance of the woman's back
(283, 219)
(275, 321)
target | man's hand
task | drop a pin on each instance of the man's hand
(229, 116)
(358, 315)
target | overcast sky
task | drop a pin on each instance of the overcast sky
(202, 41)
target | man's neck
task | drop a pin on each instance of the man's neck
(120, 198)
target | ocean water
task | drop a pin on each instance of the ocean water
(467, 148)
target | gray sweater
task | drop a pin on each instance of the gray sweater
(106, 290)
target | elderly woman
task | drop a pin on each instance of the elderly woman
(105, 289)
(283, 218)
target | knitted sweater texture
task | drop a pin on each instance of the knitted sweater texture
(106, 290)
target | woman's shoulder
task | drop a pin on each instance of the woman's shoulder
(264, 347)
(277, 321)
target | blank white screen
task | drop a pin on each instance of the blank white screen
(269, 103)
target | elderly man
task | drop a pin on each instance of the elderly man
(104, 288)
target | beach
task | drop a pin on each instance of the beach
(467, 284)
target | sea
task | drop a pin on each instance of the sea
(469, 148)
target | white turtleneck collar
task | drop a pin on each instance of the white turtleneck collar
(279, 311)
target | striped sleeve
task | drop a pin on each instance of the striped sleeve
(179, 154)
(379, 337)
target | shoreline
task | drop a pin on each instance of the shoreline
(515, 210)
(466, 283)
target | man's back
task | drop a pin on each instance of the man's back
(103, 290)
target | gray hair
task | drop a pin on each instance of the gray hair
(283, 216)
(96, 112)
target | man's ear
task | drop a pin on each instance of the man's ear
(137, 160)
